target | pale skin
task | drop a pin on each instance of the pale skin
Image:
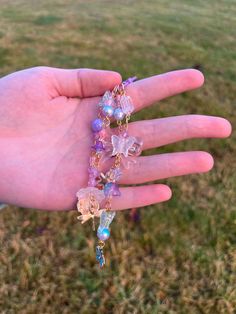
(45, 136)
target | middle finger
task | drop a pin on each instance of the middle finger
(164, 166)
(163, 131)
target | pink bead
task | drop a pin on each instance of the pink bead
(102, 134)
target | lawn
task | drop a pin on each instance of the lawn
(181, 257)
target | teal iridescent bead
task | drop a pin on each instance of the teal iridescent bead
(107, 111)
(118, 114)
(103, 234)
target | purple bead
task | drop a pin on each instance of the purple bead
(130, 80)
(98, 146)
(107, 111)
(97, 125)
(118, 114)
(93, 172)
(111, 189)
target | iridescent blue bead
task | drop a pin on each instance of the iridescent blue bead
(103, 234)
(118, 114)
(97, 125)
(107, 111)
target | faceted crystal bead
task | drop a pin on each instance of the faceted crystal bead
(107, 99)
(126, 104)
(106, 219)
(136, 149)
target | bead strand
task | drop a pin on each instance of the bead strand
(102, 187)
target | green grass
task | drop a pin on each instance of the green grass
(181, 258)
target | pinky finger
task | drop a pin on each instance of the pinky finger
(140, 196)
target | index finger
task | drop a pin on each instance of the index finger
(152, 89)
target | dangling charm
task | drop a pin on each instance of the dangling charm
(88, 203)
(103, 231)
(103, 234)
(99, 255)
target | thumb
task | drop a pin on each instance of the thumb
(83, 82)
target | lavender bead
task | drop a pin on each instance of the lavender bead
(107, 111)
(118, 114)
(97, 125)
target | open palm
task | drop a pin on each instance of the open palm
(45, 135)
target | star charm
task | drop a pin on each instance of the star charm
(122, 145)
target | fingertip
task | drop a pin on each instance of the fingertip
(196, 77)
(117, 77)
(168, 192)
(200, 77)
(205, 161)
(221, 127)
(111, 78)
(164, 192)
(210, 162)
(226, 128)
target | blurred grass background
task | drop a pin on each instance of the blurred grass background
(181, 257)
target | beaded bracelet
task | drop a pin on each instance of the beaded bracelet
(109, 144)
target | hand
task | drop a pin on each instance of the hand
(45, 135)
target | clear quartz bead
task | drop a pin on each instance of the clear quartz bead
(107, 99)
(136, 149)
(106, 219)
(126, 104)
